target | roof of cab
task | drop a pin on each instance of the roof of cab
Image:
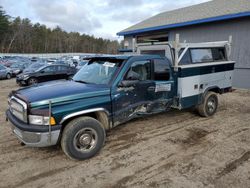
(123, 57)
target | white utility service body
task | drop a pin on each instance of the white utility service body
(195, 79)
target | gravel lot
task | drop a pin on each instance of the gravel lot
(172, 149)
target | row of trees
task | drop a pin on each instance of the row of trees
(21, 36)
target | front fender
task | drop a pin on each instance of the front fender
(79, 113)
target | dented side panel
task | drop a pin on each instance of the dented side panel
(144, 98)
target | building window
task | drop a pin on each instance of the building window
(152, 38)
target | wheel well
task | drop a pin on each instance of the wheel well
(100, 116)
(32, 77)
(215, 89)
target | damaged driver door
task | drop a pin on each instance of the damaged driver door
(139, 93)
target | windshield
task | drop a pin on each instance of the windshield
(36, 65)
(98, 71)
(2, 67)
(15, 65)
(83, 63)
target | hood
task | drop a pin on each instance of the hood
(29, 71)
(16, 69)
(61, 90)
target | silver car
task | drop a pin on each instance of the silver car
(5, 72)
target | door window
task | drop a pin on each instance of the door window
(161, 70)
(142, 69)
(62, 68)
(49, 69)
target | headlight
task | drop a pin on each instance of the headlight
(41, 120)
(25, 76)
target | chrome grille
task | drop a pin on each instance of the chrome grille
(18, 108)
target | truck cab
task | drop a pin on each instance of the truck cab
(111, 90)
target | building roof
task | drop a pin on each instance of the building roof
(211, 11)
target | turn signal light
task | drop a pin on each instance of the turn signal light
(52, 121)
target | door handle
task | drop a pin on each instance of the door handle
(151, 88)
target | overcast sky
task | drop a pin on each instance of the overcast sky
(101, 18)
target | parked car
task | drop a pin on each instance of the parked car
(46, 73)
(5, 62)
(51, 61)
(34, 59)
(5, 72)
(81, 64)
(9, 60)
(18, 68)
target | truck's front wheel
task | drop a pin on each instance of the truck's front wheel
(209, 105)
(82, 138)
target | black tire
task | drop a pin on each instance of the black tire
(8, 76)
(83, 138)
(209, 105)
(32, 81)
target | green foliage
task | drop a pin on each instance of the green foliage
(4, 23)
(21, 36)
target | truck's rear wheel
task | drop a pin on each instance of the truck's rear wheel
(209, 105)
(83, 138)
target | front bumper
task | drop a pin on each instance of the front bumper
(34, 135)
(21, 81)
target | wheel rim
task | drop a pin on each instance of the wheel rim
(85, 140)
(211, 105)
(33, 81)
(8, 76)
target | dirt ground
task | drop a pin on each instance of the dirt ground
(172, 149)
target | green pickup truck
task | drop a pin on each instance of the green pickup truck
(109, 91)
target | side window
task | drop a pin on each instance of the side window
(218, 54)
(142, 69)
(62, 68)
(201, 55)
(186, 59)
(49, 69)
(161, 70)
